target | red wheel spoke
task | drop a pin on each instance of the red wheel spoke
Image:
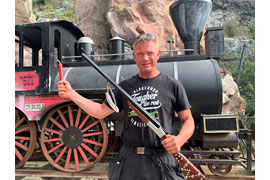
(57, 124)
(21, 146)
(83, 156)
(76, 159)
(89, 150)
(84, 121)
(70, 116)
(68, 158)
(19, 122)
(18, 154)
(93, 134)
(61, 154)
(52, 140)
(56, 147)
(90, 126)
(63, 118)
(53, 131)
(21, 130)
(78, 117)
(22, 138)
(92, 142)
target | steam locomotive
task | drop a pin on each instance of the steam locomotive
(69, 138)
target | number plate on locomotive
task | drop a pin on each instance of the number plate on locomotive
(34, 107)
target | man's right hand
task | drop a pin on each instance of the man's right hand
(64, 89)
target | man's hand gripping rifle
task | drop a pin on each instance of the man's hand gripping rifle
(189, 170)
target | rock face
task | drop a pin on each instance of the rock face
(234, 47)
(128, 19)
(242, 11)
(233, 103)
(90, 18)
(23, 12)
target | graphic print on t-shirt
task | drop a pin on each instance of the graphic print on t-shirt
(147, 97)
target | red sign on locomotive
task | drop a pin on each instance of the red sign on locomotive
(26, 80)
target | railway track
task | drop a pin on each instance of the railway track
(43, 169)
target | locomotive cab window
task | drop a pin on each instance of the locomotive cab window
(28, 47)
(57, 45)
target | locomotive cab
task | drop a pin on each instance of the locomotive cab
(39, 45)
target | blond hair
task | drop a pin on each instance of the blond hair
(145, 38)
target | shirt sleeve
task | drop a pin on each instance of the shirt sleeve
(182, 101)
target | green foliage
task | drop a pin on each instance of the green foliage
(54, 8)
(236, 29)
(252, 32)
(246, 82)
(247, 86)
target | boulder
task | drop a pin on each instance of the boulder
(23, 12)
(232, 103)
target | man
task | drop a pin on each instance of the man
(143, 155)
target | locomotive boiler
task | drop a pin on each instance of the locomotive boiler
(70, 139)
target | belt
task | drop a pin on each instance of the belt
(145, 151)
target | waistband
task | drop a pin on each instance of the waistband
(146, 151)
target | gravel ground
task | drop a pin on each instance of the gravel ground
(235, 170)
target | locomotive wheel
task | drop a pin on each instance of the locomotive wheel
(72, 140)
(219, 169)
(25, 138)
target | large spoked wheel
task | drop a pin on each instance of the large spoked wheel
(72, 140)
(25, 138)
(219, 169)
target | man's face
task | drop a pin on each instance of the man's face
(146, 56)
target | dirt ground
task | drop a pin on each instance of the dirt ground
(236, 169)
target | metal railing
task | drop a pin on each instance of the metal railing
(100, 57)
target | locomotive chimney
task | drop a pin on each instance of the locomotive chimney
(189, 17)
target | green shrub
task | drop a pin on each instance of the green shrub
(236, 29)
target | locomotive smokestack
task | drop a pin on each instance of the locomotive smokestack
(189, 17)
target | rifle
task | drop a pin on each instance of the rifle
(189, 169)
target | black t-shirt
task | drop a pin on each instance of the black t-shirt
(161, 96)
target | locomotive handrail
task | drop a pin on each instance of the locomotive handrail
(121, 54)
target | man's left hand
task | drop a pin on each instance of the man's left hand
(171, 144)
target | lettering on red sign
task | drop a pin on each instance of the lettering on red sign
(26, 80)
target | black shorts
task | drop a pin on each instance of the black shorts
(127, 165)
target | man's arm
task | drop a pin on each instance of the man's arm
(94, 109)
(173, 143)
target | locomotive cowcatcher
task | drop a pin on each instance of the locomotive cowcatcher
(69, 138)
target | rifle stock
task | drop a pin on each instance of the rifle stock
(189, 170)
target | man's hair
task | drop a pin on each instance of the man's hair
(145, 38)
